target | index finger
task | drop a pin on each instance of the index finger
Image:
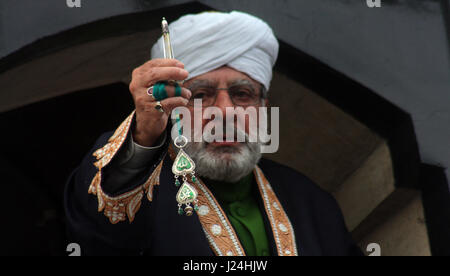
(153, 75)
(162, 62)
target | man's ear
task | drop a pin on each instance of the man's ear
(266, 102)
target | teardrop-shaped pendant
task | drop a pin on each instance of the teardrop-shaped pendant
(183, 164)
(186, 194)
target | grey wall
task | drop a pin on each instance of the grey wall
(41, 18)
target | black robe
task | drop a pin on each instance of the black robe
(158, 229)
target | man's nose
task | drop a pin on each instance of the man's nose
(223, 101)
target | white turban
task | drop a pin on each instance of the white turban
(210, 40)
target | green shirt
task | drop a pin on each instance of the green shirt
(241, 208)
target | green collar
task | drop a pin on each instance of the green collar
(227, 192)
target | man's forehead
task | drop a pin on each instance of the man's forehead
(223, 74)
(215, 81)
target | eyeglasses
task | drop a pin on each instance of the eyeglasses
(240, 95)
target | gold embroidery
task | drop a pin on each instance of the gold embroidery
(117, 209)
(107, 152)
(153, 181)
(281, 226)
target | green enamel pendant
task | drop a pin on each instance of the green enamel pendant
(187, 194)
(183, 164)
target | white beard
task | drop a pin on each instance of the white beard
(228, 164)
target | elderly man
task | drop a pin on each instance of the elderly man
(122, 199)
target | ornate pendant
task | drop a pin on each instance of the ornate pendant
(187, 194)
(183, 164)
